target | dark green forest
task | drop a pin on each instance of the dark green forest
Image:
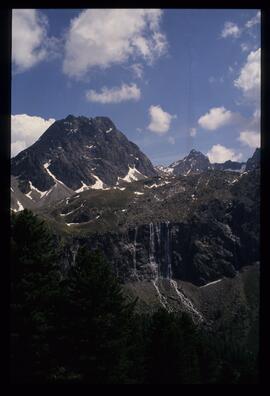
(79, 328)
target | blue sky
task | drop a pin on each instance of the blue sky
(171, 80)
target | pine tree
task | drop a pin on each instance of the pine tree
(93, 323)
(34, 280)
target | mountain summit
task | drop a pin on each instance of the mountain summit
(194, 162)
(78, 153)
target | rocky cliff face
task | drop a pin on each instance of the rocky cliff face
(230, 166)
(75, 154)
(254, 161)
(195, 162)
(197, 228)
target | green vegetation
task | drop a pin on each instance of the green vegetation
(80, 329)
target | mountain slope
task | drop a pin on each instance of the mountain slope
(194, 162)
(75, 154)
(254, 161)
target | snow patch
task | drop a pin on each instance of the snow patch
(138, 193)
(158, 185)
(46, 167)
(132, 175)
(132, 155)
(90, 146)
(211, 283)
(84, 187)
(33, 188)
(99, 185)
(11, 189)
(72, 211)
(20, 207)
(109, 130)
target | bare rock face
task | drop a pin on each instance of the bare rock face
(198, 228)
(194, 162)
(254, 161)
(78, 153)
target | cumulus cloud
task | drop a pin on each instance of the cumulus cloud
(160, 120)
(29, 37)
(250, 138)
(193, 132)
(230, 30)
(254, 21)
(17, 147)
(217, 117)
(219, 154)
(249, 80)
(114, 95)
(105, 37)
(25, 130)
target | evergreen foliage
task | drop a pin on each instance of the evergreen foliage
(79, 329)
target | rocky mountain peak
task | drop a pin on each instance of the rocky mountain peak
(78, 153)
(196, 153)
(194, 162)
(254, 161)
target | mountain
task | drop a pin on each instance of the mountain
(76, 154)
(232, 166)
(194, 162)
(254, 161)
(197, 228)
(196, 224)
(182, 242)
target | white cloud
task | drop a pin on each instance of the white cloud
(193, 132)
(17, 147)
(249, 80)
(219, 154)
(230, 29)
(160, 120)
(254, 21)
(105, 37)
(29, 37)
(115, 94)
(250, 138)
(171, 140)
(244, 47)
(137, 69)
(217, 117)
(26, 129)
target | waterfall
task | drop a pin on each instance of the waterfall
(152, 260)
(168, 250)
(158, 231)
(186, 302)
(161, 298)
(134, 251)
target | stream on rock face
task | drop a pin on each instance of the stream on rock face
(160, 241)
